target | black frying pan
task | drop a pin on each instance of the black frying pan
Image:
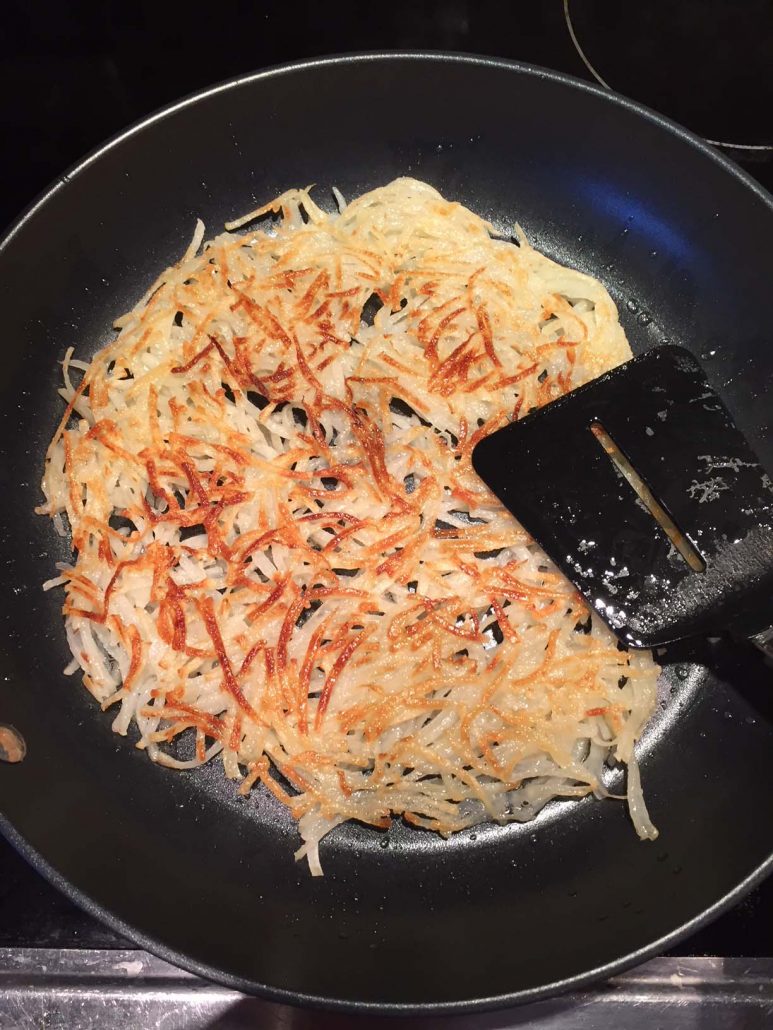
(401, 921)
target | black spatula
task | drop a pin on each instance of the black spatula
(642, 490)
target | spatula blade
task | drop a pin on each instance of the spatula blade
(552, 472)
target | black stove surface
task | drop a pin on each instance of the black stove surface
(73, 74)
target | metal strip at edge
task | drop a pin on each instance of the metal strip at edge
(82, 989)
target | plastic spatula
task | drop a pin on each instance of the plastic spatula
(649, 499)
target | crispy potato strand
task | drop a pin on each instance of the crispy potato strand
(282, 555)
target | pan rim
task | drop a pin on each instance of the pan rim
(363, 57)
(343, 1004)
(465, 1006)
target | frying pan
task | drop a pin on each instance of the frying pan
(402, 921)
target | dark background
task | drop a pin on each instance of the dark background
(75, 72)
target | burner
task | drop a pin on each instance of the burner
(704, 63)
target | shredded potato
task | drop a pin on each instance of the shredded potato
(282, 555)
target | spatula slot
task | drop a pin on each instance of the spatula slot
(648, 499)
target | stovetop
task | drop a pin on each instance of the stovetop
(74, 74)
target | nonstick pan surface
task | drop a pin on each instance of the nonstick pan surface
(402, 921)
